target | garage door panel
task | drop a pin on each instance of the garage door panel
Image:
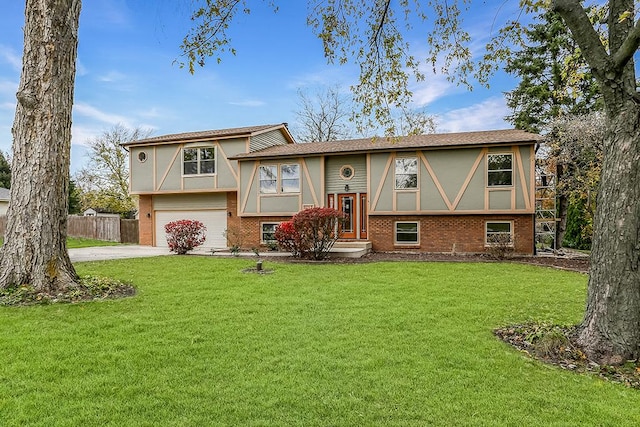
(214, 220)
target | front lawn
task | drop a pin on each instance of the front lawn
(395, 343)
(81, 242)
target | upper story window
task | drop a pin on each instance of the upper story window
(499, 169)
(279, 179)
(199, 161)
(290, 178)
(268, 179)
(406, 173)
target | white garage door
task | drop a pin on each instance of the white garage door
(214, 220)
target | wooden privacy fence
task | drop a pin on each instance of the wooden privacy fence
(110, 228)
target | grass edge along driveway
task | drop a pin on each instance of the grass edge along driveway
(394, 343)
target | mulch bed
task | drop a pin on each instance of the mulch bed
(570, 262)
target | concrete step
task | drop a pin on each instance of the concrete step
(350, 249)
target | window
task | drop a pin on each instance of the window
(499, 233)
(406, 173)
(407, 233)
(142, 157)
(268, 234)
(290, 178)
(268, 179)
(199, 161)
(346, 172)
(499, 169)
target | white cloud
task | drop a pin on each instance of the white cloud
(81, 134)
(9, 56)
(249, 103)
(112, 76)
(486, 115)
(435, 86)
(10, 106)
(91, 112)
(8, 87)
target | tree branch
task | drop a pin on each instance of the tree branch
(584, 34)
(628, 48)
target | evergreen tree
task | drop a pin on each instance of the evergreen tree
(5, 172)
(555, 79)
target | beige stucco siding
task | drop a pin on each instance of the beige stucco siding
(382, 183)
(452, 181)
(168, 164)
(190, 201)
(430, 198)
(279, 204)
(142, 171)
(162, 171)
(451, 168)
(406, 201)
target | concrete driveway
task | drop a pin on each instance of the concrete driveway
(101, 253)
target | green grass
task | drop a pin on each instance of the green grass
(81, 242)
(311, 344)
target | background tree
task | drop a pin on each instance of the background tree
(104, 180)
(34, 250)
(574, 149)
(554, 78)
(369, 34)
(323, 115)
(5, 172)
(74, 198)
(555, 81)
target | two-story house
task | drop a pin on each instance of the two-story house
(433, 193)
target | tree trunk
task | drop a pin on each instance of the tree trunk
(610, 331)
(34, 251)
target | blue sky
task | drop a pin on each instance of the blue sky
(126, 72)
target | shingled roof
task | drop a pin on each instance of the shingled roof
(443, 140)
(208, 134)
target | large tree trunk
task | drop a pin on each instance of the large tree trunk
(34, 251)
(610, 331)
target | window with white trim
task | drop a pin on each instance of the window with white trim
(498, 233)
(283, 178)
(290, 178)
(268, 179)
(406, 173)
(199, 161)
(268, 232)
(407, 233)
(499, 169)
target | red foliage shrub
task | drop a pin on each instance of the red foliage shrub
(311, 233)
(185, 234)
(288, 238)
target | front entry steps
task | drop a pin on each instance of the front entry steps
(350, 249)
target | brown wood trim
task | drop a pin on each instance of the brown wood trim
(523, 178)
(472, 172)
(436, 181)
(235, 175)
(308, 176)
(381, 183)
(166, 172)
(445, 212)
(248, 189)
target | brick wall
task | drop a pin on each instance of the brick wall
(145, 213)
(449, 233)
(251, 229)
